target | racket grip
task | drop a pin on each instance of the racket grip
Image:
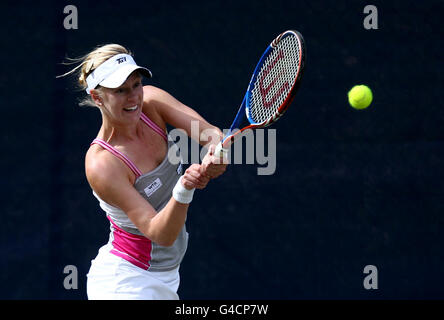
(220, 151)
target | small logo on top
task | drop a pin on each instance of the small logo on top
(153, 187)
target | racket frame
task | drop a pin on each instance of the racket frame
(243, 112)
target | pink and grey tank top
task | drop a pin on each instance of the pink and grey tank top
(156, 187)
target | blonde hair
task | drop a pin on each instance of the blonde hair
(89, 62)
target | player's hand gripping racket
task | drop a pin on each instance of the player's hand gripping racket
(272, 87)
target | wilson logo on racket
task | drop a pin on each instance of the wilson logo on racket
(265, 90)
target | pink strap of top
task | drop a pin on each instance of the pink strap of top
(120, 155)
(153, 126)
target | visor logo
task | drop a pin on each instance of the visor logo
(121, 60)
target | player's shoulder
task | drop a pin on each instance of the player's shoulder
(151, 92)
(155, 100)
(157, 96)
(102, 167)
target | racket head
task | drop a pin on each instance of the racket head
(276, 79)
(272, 87)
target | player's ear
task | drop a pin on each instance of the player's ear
(95, 96)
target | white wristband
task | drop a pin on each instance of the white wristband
(181, 194)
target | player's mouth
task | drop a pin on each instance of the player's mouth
(131, 109)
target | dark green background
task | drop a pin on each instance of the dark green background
(352, 188)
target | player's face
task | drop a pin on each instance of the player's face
(125, 102)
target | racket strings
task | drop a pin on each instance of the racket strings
(275, 80)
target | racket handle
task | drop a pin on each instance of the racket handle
(220, 151)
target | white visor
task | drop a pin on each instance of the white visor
(114, 72)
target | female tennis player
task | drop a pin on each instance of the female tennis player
(145, 196)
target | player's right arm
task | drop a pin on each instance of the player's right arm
(113, 183)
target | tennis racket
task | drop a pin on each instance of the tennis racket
(272, 87)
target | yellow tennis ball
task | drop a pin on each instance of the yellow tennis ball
(360, 97)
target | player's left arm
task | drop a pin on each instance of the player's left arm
(179, 115)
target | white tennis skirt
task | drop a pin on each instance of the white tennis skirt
(113, 278)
